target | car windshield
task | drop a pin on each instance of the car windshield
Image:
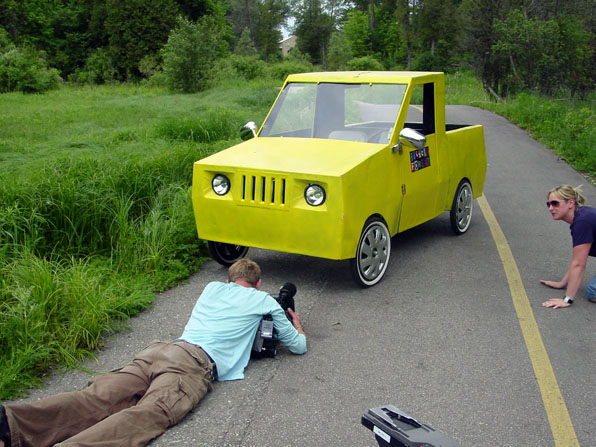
(353, 112)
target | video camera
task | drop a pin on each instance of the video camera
(266, 341)
(394, 428)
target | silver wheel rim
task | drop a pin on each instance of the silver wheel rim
(373, 252)
(463, 213)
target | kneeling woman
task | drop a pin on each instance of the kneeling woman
(566, 203)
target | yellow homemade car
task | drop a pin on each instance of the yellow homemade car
(343, 162)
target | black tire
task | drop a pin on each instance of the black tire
(226, 254)
(461, 209)
(372, 254)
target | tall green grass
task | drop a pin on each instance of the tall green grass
(566, 126)
(95, 210)
(463, 88)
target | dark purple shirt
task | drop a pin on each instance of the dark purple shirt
(583, 228)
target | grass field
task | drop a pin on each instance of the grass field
(95, 211)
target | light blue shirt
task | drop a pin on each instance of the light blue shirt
(224, 323)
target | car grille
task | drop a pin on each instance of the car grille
(264, 190)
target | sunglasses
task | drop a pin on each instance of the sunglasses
(553, 203)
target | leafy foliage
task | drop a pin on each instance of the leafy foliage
(339, 52)
(358, 33)
(313, 30)
(21, 69)
(512, 48)
(99, 67)
(136, 28)
(245, 45)
(271, 14)
(191, 53)
(542, 54)
(512, 45)
(365, 63)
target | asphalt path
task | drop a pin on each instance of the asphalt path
(439, 337)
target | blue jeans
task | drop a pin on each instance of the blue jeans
(591, 289)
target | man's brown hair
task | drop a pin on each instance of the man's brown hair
(246, 270)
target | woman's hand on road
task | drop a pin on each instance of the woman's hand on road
(556, 303)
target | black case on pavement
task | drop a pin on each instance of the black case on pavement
(393, 427)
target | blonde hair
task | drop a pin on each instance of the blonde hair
(245, 269)
(567, 192)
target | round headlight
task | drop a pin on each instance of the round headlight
(314, 195)
(220, 184)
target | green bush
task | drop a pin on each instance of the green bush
(281, 70)
(249, 67)
(21, 69)
(150, 65)
(365, 63)
(99, 68)
(191, 52)
(237, 69)
(427, 61)
(339, 52)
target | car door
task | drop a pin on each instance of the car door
(419, 166)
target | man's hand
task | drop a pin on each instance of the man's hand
(556, 303)
(296, 321)
(553, 284)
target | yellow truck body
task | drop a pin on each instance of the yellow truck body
(343, 162)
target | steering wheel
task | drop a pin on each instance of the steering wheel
(375, 137)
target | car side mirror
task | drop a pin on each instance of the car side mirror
(412, 136)
(248, 131)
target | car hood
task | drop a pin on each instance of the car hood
(295, 155)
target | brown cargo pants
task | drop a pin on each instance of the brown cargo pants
(126, 407)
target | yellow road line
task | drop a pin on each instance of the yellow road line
(556, 409)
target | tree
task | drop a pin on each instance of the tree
(542, 54)
(408, 17)
(243, 15)
(339, 52)
(439, 23)
(263, 19)
(28, 21)
(479, 38)
(245, 46)
(194, 9)
(313, 30)
(358, 33)
(136, 28)
(68, 48)
(271, 15)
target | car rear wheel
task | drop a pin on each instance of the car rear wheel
(226, 254)
(461, 209)
(373, 253)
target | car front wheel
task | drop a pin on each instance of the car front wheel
(372, 255)
(226, 254)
